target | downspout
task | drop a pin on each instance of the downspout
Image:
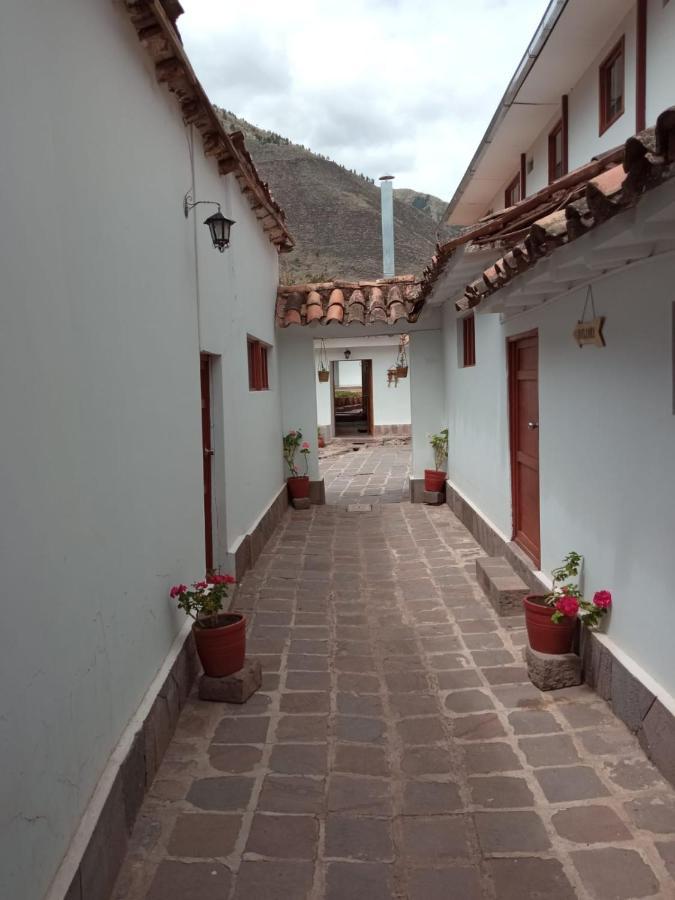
(553, 12)
(190, 139)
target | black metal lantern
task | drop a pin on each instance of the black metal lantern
(219, 226)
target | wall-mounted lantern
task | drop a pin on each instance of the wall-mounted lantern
(348, 353)
(219, 225)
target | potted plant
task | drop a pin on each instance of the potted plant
(324, 374)
(320, 440)
(434, 479)
(402, 359)
(220, 637)
(392, 376)
(298, 485)
(553, 631)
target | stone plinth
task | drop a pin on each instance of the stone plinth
(301, 503)
(235, 688)
(550, 672)
(433, 498)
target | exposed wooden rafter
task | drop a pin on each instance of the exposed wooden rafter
(154, 21)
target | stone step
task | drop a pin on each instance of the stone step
(504, 589)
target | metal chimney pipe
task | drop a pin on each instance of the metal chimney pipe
(387, 201)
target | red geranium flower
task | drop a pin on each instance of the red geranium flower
(568, 606)
(602, 599)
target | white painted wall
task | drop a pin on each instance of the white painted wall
(100, 446)
(348, 373)
(391, 405)
(660, 49)
(427, 396)
(584, 140)
(297, 367)
(607, 432)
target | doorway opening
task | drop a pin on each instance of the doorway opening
(523, 357)
(207, 457)
(352, 397)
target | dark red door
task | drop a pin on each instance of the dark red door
(524, 423)
(367, 392)
(205, 377)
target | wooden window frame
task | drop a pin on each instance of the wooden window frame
(617, 51)
(468, 341)
(558, 129)
(512, 185)
(258, 366)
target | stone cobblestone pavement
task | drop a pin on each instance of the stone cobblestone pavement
(397, 749)
(372, 474)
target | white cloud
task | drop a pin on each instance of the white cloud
(403, 85)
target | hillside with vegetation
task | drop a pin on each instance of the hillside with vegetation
(334, 212)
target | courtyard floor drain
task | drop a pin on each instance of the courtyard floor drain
(360, 507)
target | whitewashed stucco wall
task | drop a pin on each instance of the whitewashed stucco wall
(391, 405)
(298, 396)
(607, 432)
(427, 396)
(100, 446)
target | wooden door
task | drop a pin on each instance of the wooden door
(524, 426)
(207, 453)
(367, 391)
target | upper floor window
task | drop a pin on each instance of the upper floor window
(512, 193)
(612, 86)
(469, 340)
(258, 379)
(555, 153)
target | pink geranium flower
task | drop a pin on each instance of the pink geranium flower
(602, 599)
(305, 445)
(568, 606)
(177, 590)
(200, 585)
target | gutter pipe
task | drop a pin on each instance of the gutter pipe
(553, 12)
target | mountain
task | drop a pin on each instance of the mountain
(334, 213)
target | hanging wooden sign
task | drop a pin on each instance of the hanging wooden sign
(590, 332)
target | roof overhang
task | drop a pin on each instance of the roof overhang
(579, 32)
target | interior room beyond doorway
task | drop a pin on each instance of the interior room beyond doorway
(352, 397)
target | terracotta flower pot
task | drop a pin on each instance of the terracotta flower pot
(298, 486)
(324, 375)
(543, 634)
(222, 650)
(434, 480)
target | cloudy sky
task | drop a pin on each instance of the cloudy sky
(400, 86)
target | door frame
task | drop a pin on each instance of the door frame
(370, 416)
(511, 349)
(205, 385)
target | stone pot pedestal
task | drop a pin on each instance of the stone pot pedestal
(235, 688)
(552, 671)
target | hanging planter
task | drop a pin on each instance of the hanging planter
(402, 358)
(323, 373)
(392, 376)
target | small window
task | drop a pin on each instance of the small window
(612, 87)
(468, 341)
(555, 153)
(512, 193)
(258, 378)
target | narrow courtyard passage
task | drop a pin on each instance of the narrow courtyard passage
(371, 473)
(397, 749)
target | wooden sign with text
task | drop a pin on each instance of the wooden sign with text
(590, 332)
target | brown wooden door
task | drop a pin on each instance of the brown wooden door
(524, 424)
(207, 452)
(367, 391)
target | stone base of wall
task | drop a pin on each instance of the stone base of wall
(632, 702)
(391, 431)
(252, 545)
(106, 849)
(492, 542)
(317, 492)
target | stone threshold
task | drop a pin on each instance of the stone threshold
(636, 704)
